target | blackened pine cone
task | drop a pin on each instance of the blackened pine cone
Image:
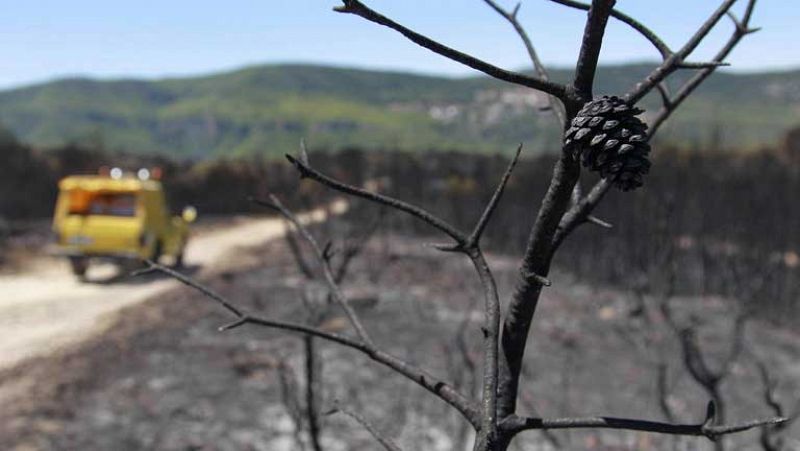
(608, 138)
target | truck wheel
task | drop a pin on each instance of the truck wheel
(157, 249)
(179, 260)
(79, 266)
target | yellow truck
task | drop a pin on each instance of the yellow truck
(119, 217)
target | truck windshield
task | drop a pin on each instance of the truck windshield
(102, 204)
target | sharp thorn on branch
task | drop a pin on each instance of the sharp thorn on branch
(445, 247)
(599, 222)
(475, 237)
(263, 203)
(540, 279)
(328, 251)
(238, 323)
(303, 152)
(301, 167)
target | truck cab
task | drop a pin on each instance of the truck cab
(119, 217)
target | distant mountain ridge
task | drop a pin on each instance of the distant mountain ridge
(267, 109)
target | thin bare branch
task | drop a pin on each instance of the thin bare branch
(771, 397)
(297, 253)
(312, 365)
(427, 217)
(288, 393)
(538, 67)
(359, 9)
(741, 30)
(387, 443)
(324, 260)
(475, 236)
(516, 424)
(666, 97)
(153, 266)
(491, 333)
(662, 47)
(580, 212)
(694, 360)
(672, 63)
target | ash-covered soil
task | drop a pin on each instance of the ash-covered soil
(164, 378)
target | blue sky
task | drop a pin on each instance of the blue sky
(46, 39)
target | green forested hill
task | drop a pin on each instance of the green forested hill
(267, 109)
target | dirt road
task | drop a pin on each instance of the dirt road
(45, 308)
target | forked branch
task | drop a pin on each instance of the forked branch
(677, 59)
(433, 384)
(307, 171)
(580, 212)
(741, 29)
(324, 261)
(538, 66)
(469, 246)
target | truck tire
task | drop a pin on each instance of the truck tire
(79, 266)
(157, 250)
(179, 260)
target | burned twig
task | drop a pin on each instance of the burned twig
(515, 424)
(673, 62)
(385, 441)
(475, 236)
(324, 260)
(359, 9)
(771, 438)
(741, 30)
(427, 217)
(511, 16)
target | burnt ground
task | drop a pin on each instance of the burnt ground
(163, 377)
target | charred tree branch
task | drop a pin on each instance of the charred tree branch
(590, 47)
(360, 9)
(515, 424)
(674, 61)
